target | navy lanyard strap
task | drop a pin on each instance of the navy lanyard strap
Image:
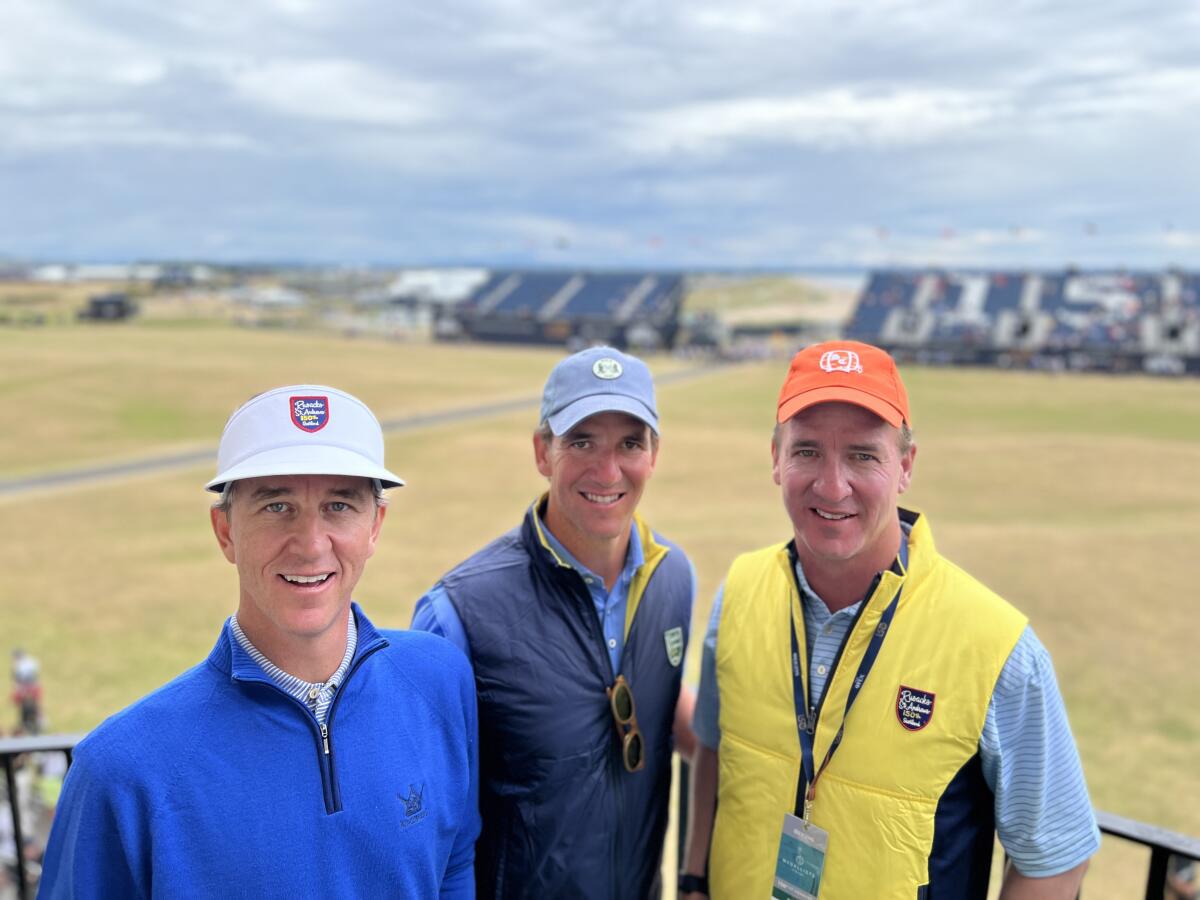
(806, 717)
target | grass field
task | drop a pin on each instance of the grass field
(1074, 496)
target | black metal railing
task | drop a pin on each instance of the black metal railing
(14, 752)
(1163, 845)
(1161, 842)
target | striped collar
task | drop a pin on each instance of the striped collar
(317, 696)
(812, 600)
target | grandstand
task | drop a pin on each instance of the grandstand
(1107, 321)
(624, 309)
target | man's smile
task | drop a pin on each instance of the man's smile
(602, 499)
(308, 581)
(831, 516)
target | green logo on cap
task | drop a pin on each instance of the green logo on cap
(607, 368)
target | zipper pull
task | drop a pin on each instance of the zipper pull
(325, 737)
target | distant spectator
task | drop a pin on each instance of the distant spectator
(1183, 879)
(27, 691)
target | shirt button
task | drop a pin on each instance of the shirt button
(828, 628)
(588, 580)
(612, 642)
(821, 670)
(313, 692)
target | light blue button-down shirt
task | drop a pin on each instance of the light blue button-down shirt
(1043, 814)
(435, 613)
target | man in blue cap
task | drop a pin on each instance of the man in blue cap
(576, 623)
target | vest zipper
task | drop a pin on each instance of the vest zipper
(616, 763)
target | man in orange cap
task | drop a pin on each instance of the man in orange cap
(869, 714)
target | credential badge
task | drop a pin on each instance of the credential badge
(841, 361)
(914, 708)
(310, 413)
(673, 637)
(607, 368)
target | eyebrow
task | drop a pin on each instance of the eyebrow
(273, 493)
(270, 493)
(853, 448)
(633, 434)
(354, 493)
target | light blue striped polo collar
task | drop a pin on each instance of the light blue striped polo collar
(317, 696)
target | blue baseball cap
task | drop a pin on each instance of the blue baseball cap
(600, 379)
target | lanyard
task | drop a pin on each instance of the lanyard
(806, 717)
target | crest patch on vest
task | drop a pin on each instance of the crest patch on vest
(673, 638)
(310, 413)
(914, 708)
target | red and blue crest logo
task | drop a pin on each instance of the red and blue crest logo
(914, 708)
(310, 413)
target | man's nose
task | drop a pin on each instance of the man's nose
(309, 534)
(607, 468)
(832, 483)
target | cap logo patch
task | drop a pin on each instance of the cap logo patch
(607, 368)
(310, 413)
(914, 708)
(841, 361)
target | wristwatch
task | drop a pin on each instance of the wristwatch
(689, 883)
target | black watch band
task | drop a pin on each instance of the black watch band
(688, 883)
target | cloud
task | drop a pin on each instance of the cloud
(647, 131)
(828, 120)
(335, 90)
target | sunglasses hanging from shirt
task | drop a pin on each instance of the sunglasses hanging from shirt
(620, 701)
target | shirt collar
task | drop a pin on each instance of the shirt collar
(811, 598)
(291, 684)
(634, 553)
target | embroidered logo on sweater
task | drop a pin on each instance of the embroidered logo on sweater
(414, 807)
(914, 708)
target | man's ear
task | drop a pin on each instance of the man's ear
(380, 512)
(906, 469)
(541, 454)
(221, 528)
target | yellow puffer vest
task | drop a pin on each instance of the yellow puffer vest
(879, 795)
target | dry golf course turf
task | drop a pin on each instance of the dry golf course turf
(1076, 497)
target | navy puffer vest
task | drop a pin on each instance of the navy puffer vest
(561, 816)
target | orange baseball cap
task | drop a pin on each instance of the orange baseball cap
(845, 371)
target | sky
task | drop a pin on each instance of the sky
(702, 135)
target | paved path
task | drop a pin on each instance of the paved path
(86, 475)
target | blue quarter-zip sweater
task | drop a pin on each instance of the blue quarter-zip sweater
(220, 784)
(561, 815)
